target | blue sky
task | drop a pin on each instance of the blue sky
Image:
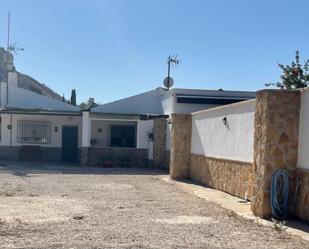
(113, 49)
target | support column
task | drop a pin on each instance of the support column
(275, 142)
(86, 133)
(159, 137)
(180, 146)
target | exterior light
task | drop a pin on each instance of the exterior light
(224, 120)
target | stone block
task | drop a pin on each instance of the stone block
(180, 146)
(159, 137)
(275, 142)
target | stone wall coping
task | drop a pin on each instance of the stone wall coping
(178, 114)
(302, 169)
(224, 159)
(305, 89)
(279, 90)
(245, 102)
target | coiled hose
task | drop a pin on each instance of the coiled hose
(279, 194)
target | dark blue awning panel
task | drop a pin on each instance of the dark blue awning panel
(210, 100)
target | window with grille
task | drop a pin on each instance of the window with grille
(33, 131)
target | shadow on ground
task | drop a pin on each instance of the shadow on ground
(26, 169)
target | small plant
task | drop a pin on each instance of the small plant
(259, 222)
(78, 217)
(295, 76)
(2, 221)
(279, 225)
(231, 214)
(8, 193)
(19, 189)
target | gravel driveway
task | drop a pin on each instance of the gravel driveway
(73, 207)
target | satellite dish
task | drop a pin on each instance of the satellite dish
(168, 82)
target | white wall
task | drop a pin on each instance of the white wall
(234, 141)
(5, 132)
(303, 145)
(189, 108)
(56, 137)
(86, 129)
(167, 101)
(143, 128)
(168, 135)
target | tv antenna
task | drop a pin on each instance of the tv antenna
(11, 47)
(168, 82)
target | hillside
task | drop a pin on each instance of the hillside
(24, 81)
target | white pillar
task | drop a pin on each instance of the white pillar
(143, 128)
(13, 79)
(3, 97)
(86, 130)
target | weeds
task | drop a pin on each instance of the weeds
(259, 222)
(2, 221)
(279, 225)
(78, 217)
(8, 193)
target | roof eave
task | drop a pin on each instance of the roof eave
(40, 112)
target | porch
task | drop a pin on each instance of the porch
(112, 140)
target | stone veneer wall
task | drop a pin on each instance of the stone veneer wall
(159, 137)
(114, 157)
(84, 156)
(230, 176)
(302, 202)
(275, 142)
(180, 159)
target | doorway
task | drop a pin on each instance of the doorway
(69, 143)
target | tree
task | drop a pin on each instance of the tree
(90, 103)
(73, 97)
(294, 76)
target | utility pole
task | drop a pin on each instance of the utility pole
(9, 26)
(8, 55)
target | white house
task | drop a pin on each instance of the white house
(161, 101)
(126, 122)
(35, 127)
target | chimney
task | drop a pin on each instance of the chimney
(13, 79)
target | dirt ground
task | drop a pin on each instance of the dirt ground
(74, 207)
